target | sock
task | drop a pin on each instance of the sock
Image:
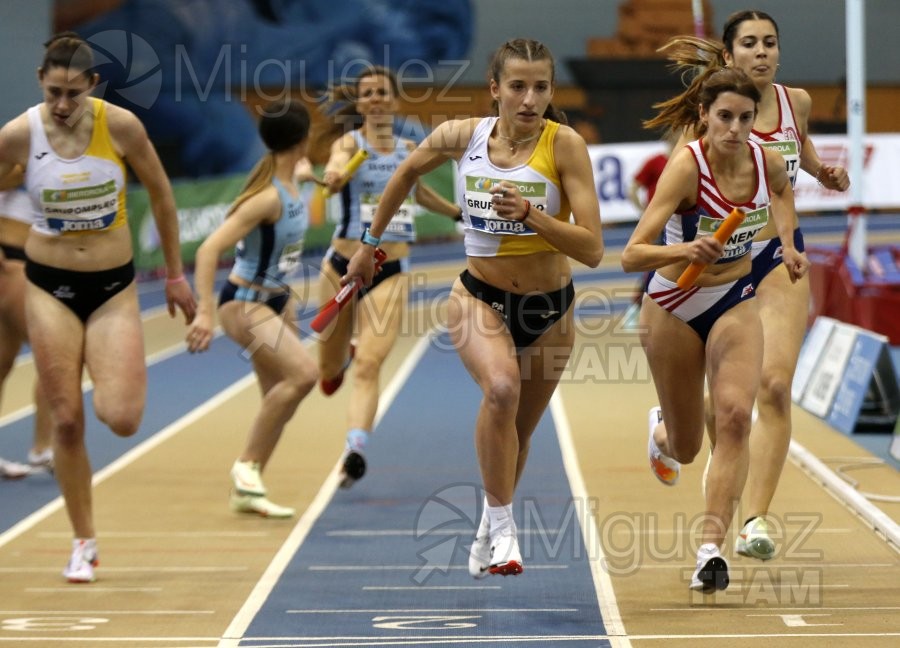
(484, 527)
(708, 548)
(357, 439)
(501, 519)
(750, 519)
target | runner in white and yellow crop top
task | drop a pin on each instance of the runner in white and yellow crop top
(81, 300)
(530, 204)
(487, 233)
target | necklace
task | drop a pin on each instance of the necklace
(514, 143)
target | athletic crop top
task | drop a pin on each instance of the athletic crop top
(271, 251)
(361, 194)
(82, 195)
(712, 207)
(786, 137)
(487, 233)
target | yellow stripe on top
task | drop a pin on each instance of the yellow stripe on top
(101, 146)
(543, 163)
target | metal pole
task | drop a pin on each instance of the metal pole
(856, 128)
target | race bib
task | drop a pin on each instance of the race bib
(402, 224)
(289, 260)
(740, 242)
(84, 209)
(480, 206)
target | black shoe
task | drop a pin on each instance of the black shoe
(354, 468)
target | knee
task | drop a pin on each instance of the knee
(775, 392)
(69, 430)
(733, 422)
(301, 382)
(501, 394)
(686, 450)
(366, 368)
(123, 422)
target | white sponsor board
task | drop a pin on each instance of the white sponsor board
(616, 164)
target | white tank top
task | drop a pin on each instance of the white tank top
(487, 233)
(83, 195)
(786, 137)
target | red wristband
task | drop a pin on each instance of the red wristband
(178, 279)
(527, 210)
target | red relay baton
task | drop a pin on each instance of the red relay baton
(722, 234)
(334, 305)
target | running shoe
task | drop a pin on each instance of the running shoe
(246, 478)
(353, 469)
(81, 565)
(480, 551)
(712, 570)
(13, 470)
(259, 506)
(505, 557)
(754, 541)
(665, 468)
(331, 385)
(41, 461)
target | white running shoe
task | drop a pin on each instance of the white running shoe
(480, 551)
(505, 556)
(665, 468)
(260, 506)
(754, 541)
(13, 470)
(711, 573)
(84, 558)
(246, 478)
(41, 461)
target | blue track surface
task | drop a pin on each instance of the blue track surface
(387, 559)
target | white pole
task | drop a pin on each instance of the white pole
(699, 26)
(856, 128)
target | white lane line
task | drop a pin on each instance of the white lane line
(128, 570)
(368, 533)
(164, 534)
(845, 494)
(133, 455)
(418, 588)
(782, 609)
(779, 566)
(238, 626)
(414, 567)
(434, 610)
(606, 596)
(683, 531)
(91, 589)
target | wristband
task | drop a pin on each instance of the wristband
(459, 216)
(178, 279)
(527, 211)
(369, 239)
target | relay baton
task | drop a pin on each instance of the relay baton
(352, 165)
(334, 305)
(726, 229)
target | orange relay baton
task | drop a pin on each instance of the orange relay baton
(722, 234)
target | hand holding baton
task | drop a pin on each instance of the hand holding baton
(352, 165)
(722, 234)
(334, 305)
